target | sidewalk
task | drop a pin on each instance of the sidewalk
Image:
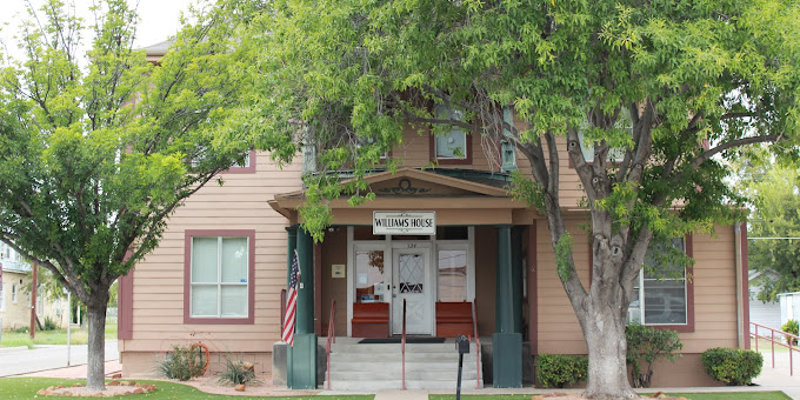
(779, 376)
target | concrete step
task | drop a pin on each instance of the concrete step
(392, 357)
(396, 367)
(373, 367)
(410, 374)
(351, 347)
(372, 386)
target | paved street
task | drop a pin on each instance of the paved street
(21, 360)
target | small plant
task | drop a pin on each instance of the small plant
(183, 363)
(558, 370)
(49, 324)
(23, 329)
(733, 367)
(791, 326)
(646, 345)
(237, 373)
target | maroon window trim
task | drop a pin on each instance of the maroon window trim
(125, 303)
(745, 289)
(251, 169)
(125, 316)
(450, 161)
(689, 326)
(187, 272)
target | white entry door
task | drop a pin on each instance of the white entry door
(411, 281)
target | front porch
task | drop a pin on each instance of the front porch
(466, 276)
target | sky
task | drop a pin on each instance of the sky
(158, 18)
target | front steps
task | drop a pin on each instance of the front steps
(371, 367)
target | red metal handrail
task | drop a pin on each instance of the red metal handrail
(790, 339)
(477, 343)
(331, 338)
(403, 346)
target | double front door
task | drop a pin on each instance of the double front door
(392, 275)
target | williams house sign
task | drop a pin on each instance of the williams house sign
(403, 222)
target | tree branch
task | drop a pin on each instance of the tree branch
(733, 143)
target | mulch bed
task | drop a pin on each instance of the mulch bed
(113, 388)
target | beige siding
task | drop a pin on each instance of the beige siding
(415, 152)
(240, 203)
(558, 329)
(714, 293)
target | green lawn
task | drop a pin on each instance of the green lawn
(57, 336)
(26, 388)
(692, 396)
(766, 346)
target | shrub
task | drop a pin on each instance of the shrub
(237, 373)
(183, 363)
(733, 367)
(22, 329)
(49, 324)
(646, 345)
(791, 326)
(558, 370)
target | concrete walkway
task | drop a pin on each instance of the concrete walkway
(779, 376)
(21, 360)
(401, 395)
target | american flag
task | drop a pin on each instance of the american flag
(291, 303)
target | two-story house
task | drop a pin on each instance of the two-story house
(443, 240)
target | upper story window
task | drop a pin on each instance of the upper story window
(615, 154)
(219, 277)
(453, 145)
(661, 294)
(247, 165)
(508, 151)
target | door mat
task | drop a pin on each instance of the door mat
(397, 340)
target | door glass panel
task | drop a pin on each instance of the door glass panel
(371, 280)
(452, 275)
(412, 273)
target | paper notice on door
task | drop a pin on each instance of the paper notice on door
(362, 279)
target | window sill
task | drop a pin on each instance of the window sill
(218, 321)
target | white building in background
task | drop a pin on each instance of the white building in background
(763, 313)
(790, 306)
(15, 296)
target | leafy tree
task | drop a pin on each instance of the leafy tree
(774, 191)
(97, 152)
(647, 84)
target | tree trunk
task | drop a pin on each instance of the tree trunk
(95, 375)
(604, 329)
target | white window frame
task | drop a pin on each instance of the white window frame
(445, 112)
(219, 284)
(642, 305)
(615, 154)
(14, 293)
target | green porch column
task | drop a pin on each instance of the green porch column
(506, 343)
(304, 353)
(516, 277)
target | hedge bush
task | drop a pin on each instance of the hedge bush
(558, 370)
(645, 346)
(733, 367)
